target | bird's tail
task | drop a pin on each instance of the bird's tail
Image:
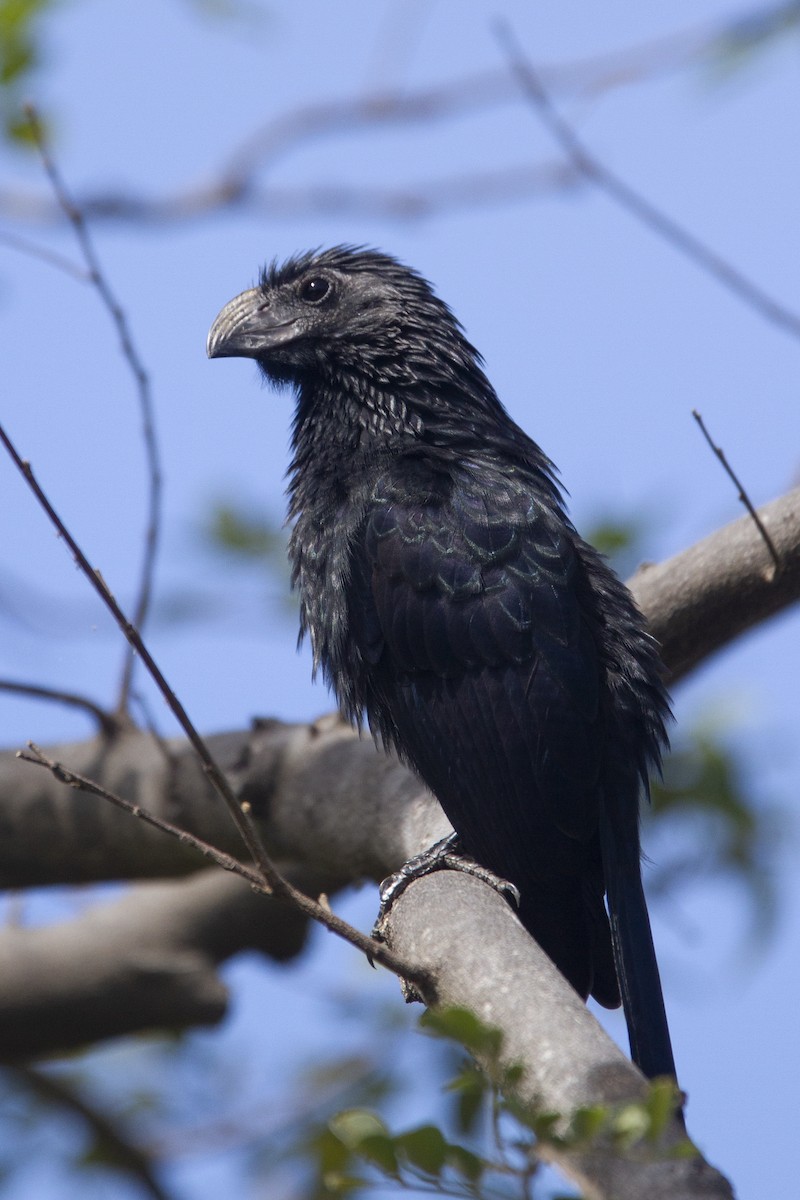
(635, 956)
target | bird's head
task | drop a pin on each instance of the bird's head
(343, 311)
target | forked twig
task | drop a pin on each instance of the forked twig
(743, 496)
(97, 278)
(268, 878)
(35, 250)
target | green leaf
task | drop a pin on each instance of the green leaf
(630, 1124)
(470, 1087)
(238, 531)
(587, 1123)
(662, 1102)
(425, 1148)
(340, 1184)
(379, 1150)
(20, 39)
(354, 1124)
(19, 130)
(330, 1152)
(465, 1163)
(463, 1026)
(544, 1124)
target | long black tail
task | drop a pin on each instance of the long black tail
(635, 957)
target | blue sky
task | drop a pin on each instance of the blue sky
(599, 337)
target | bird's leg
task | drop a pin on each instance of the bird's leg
(445, 855)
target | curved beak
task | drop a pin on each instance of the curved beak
(247, 327)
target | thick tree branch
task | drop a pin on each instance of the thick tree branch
(146, 961)
(478, 956)
(321, 796)
(705, 597)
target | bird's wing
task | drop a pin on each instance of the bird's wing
(470, 616)
(482, 668)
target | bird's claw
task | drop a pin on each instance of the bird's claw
(445, 855)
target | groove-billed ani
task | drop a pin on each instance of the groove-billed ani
(449, 598)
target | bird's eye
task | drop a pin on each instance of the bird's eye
(314, 290)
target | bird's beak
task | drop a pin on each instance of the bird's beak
(247, 327)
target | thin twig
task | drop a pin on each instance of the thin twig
(74, 780)
(108, 722)
(270, 879)
(743, 496)
(36, 250)
(98, 280)
(632, 201)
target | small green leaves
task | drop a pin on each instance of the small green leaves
(20, 54)
(237, 530)
(424, 1148)
(353, 1125)
(358, 1136)
(358, 1146)
(463, 1026)
(470, 1087)
(662, 1102)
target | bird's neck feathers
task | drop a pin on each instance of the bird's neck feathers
(433, 401)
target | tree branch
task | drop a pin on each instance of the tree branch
(107, 722)
(705, 597)
(319, 794)
(740, 490)
(147, 961)
(468, 940)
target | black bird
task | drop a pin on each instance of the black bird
(448, 598)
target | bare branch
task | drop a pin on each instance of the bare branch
(406, 202)
(322, 797)
(704, 597)
(743, 496)
(247, 831)
(107, 722)
(34, 250)
(592, 169)
(146, 961)
(96, 276)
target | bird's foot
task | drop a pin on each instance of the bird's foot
(445, 855)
